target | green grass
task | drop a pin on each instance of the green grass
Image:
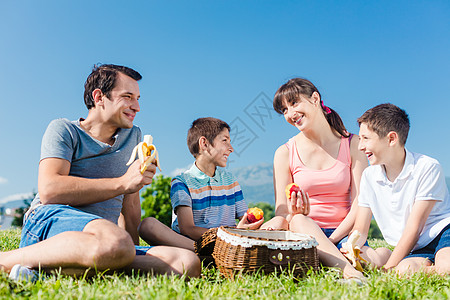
(323, 285)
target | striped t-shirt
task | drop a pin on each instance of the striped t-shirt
(215, 201)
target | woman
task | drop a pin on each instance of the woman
(323, 159)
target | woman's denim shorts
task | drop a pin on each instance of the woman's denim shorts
(49, 220)
(329, 231)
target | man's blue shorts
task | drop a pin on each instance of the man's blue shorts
(49, 220)
(329, 231)
(430, 250)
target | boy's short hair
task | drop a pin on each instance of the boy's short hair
(207, 127)
(103, 77)
(385, 118)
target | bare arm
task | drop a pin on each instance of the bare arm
(186, 223)
(359, 163)
(281, 178)
(131, 215)
(362, 223)
(55, 186)
(414, 225)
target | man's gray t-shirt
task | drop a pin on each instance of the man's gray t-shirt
(90, 158)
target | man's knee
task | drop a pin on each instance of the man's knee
(114, 247)
(191, 263)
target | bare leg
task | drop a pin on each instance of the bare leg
(101, 245)
(167, 260)
(376, 257)
(412, 265)
(276, 223)
(441, 266)
(329, 254)
(157, 234)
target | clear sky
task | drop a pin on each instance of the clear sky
(224, 59)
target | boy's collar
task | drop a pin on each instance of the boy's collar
(407, 169)
(194, 170)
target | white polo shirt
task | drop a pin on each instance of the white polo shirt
(422, 178)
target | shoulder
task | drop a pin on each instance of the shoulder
(61, 129)
(61, 124)
(354, 143)
(283, 150)
(136, 130)
(355, 153)
(424, 163)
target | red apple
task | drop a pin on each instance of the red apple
(292, 187)
(254, 214)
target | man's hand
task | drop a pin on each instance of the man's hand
(133, 180)
(245, 224)
(299, 203)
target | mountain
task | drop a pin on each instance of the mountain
(16, 200)
(256, 182)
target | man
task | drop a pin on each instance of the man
(87, 211)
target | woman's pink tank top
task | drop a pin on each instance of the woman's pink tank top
(329, 189)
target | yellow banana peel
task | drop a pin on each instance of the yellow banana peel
(147, 154)
(353, 251)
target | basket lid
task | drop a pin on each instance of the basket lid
(272, 239)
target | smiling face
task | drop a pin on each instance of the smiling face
(301, 113)
(121, 107)
(221, 148)
(373, 146)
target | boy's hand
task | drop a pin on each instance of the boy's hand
(245, 224)
(299, 203)
(133, 180)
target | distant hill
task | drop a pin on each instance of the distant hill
(256, 183)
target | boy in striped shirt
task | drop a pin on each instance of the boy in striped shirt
(204, 196)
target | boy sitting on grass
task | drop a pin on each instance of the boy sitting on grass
(204, 196)
(407, 194)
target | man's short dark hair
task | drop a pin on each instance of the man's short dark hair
(385, 118)
(103, 77)
(207, 127)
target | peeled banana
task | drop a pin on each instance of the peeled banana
(353, 251)
(146, 152)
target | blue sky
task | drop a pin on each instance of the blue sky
(223, 59)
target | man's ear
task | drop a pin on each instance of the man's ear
(97, 95)
(392, 138)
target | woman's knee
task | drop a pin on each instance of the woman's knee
(302, 221)
(276, 223)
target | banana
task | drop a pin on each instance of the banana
(146, 152)
(353, 251)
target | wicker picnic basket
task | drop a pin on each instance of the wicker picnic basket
(240, 250)
(204, 246)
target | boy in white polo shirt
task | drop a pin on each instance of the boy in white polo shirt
(407, 195)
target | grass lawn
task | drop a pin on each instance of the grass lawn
(323, 285)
